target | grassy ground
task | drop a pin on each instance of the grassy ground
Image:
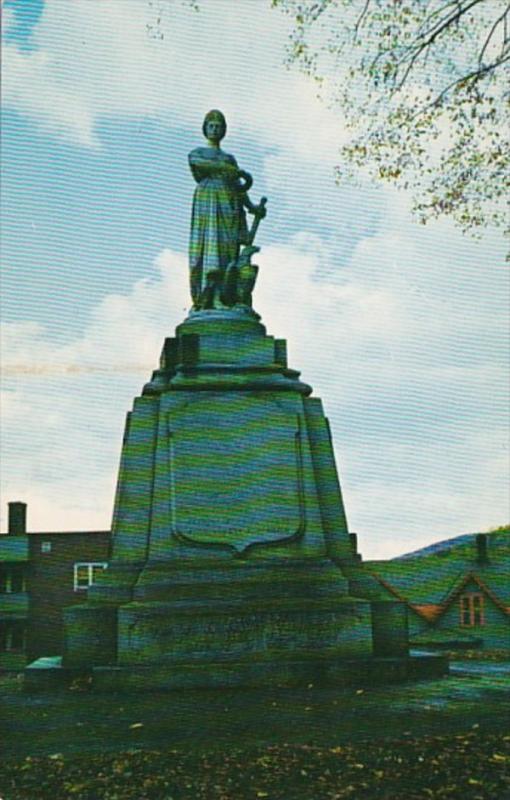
(447, 738)
(467, 766)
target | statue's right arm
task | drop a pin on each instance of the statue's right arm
(203, 167)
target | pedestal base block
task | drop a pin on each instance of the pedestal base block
(320, 672)
(191, 633)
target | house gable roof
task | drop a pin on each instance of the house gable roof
(472, 577)
(429, 582)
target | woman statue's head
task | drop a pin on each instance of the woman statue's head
(215, 126)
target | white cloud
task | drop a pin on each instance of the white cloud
(30, 89)
(63, 406)
(94, 59)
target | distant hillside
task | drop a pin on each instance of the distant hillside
(499, 537)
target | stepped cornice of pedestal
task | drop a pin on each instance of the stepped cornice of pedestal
(224, 350)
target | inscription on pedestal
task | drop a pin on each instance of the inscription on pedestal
(229, 637)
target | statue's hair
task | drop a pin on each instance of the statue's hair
(217, 115)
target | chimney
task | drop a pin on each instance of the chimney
(353, 538)
(17, 518)
(481, 549)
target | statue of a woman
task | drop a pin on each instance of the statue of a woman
(218, 220)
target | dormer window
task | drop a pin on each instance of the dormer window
(471, 610)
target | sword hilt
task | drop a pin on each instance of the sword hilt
(256, 221)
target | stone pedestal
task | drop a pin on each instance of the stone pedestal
(229, 532)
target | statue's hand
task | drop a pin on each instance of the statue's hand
(246, 177)
(260, 211)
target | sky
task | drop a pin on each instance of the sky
(401, 329)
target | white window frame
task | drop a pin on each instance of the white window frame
(473, 605)
(90, 573)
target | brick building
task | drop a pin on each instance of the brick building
(40, 574)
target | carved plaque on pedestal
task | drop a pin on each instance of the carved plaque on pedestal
(236, 471)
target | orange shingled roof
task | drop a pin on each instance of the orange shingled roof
(430, 611)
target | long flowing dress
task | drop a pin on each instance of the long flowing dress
(218, 220)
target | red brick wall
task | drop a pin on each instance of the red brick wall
(51, 584)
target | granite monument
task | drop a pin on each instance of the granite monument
(231, 560)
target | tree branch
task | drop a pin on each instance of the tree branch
(442, 25)
(431, 35)
(359, 21)
(500, 19)
(430, 17)
(475, 76)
